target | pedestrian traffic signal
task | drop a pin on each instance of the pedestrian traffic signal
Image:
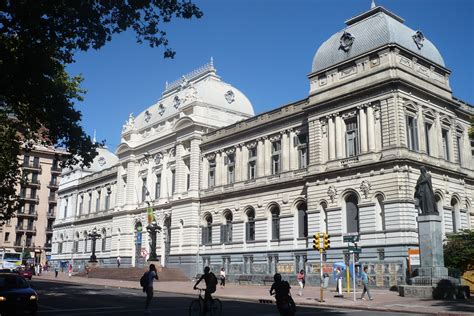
(316, 242)
(356, 257)
(326, 241)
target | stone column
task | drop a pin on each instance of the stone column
(267, 157)
(219, 164)
(339, 138)
(164, 191)
(131, 182)
(439, 133)
(363, 130)
(205, 173)
(238, 163)
(194, 161)
(180, 176)
(120, 190)
(331, 138)
(293, 155)
(244, 155)
(371, 128)
(260, 158)
(285, 149)
(421, 130)
(223, 168)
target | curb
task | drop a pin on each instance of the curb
(265, 300)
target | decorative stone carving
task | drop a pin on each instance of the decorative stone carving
(332, 192)
(147, 116)
(210, 156)
(229, 96)
(365, 187)
(176, 102)
(324, 126)
(158, 158)
(130, 123)
(101, 161)
(346, 41)
(418, 38)
(161, 109)
(191, 95)
(230, 151)
(275, 138)
(349, 114)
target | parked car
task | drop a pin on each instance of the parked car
(7, 271)
(26, 273)
(16, 295)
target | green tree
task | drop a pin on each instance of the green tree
(38, 39)
(459, 250)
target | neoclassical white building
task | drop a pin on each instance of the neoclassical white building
(247, 192)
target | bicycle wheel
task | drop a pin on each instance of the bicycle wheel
(195, 308)
(216, 307)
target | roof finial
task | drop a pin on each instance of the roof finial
(212, 62)
(372, 5)
(93, 139)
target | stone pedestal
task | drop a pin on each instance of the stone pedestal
(431, 241)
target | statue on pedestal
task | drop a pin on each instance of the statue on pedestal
(424, 193)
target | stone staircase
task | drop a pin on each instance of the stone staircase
(134, 274)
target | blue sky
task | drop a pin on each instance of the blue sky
(263, 48)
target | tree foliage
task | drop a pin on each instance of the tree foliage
(459, 250)
(37, 96)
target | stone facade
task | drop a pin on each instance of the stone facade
(248, 192)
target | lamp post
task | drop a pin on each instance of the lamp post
(152, 229)
(93, 235)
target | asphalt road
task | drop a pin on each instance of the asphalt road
(57, 298)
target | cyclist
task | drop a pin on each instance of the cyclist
(281, 290)
(211, 284)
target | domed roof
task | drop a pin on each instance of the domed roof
(202, 85)
(370, 30)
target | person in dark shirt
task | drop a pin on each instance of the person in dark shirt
(281, 290)
(211, 283)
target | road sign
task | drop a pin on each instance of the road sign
(354, 249)
(351, 237)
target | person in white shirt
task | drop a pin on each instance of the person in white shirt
(222, 275)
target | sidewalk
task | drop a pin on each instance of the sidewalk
(384, 300)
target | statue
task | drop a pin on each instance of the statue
(424, 193)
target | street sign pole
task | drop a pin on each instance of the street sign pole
(348, 276)
(354, 274)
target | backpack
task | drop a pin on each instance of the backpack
(144, 280)
(213, 283)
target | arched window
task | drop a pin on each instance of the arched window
(380, 212)
(275, 212)
(226, 228)
(323, 222)
(207, 230)
(75, 246)
(250, 225)
(455, 216)
(302, 219)
(60, 244)
(352, 214)
(104, 239)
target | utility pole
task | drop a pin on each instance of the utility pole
(321, 244)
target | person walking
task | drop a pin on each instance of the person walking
(365, 282)
(148, 288)
(118, 261)
(301, 281)
(56, 271)
(222, 276)
(69, 270)
(339, 282)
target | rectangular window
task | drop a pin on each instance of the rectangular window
(31, 209)
(81, 204)
(301, 142)
(445, 137)
(412, 133)
(26, 160)
(226, 233)
(188, 181)
(33, 193)
(34, 177)
(250, 229)
(275, 227)
(173, 181)
(276, 157)
(36, 162)
(89, 207)
(252, 163)
(212, 173)
(144, 190)
(158, 186)
(7, 237)
(427, 137)
(352, 145)
(230, 168)
(458, 148)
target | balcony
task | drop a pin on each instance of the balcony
(49, 229)
(47, 246)
(26, 228)
(32, 166)
(52, 199)
(51, 215)
(30, 198)
(53, 185)
(29, 214)
(55, 170)
(33, 182)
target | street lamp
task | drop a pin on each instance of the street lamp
(93, 236)
(152, 229)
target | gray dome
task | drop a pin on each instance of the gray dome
(370, 30)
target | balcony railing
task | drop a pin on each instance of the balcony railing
(32, 166)
(26, 229)
(47, 245)
(52, 199)
(53, 184)
(55, 169)
(33, 198)
(32, 214)
(51, 215)
(49, 229)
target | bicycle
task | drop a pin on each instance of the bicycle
(286, 306)
(196, 308)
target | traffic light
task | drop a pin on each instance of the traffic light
(326, 241)
(316, 241)
(356, 257)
